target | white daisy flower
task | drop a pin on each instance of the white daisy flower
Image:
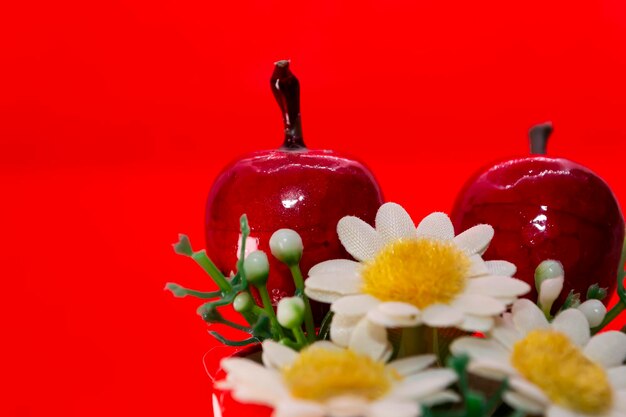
(404, 276)
(325, 380)
(556, 369)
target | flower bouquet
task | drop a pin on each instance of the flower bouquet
(419, 324)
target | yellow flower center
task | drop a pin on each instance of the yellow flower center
(551, 361)
(320, 374)
(417, 271)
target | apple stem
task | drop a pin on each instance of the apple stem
(539, 135)
(286, 89)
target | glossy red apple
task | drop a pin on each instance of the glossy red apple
(546, 208)
(290, 187)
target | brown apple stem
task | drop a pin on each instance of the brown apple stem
(539, 135)
(286, 89)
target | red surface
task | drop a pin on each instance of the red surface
(115, 117)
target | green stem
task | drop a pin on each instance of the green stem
(203, 260)
(436, 345)
(269, 310)
(234, 325)
(202, 294)
(411, 341)
(300, 338)
(250, 317)
(621, 292)
(309, 324)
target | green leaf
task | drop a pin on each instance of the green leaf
(595, 292)
(229, 342)
(572, 301)
(183, 246)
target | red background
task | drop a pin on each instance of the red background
(116, 116)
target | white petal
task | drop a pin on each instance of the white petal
(574, 324)
(399, 309)
(359, 238)
(327, 297)
(527, 316)
(388, 408)
(354, 305)
(594, 310)
(607, 349)
(556, 411)
(424, 384)
(341, 284)
(507, 337)
(341, 329)
(476, 239)
(478, 305)
(478, 267)
(499, 286)
(491, 369)
(382, 319)
(346, 406)
(394, 223)
(443, 397)
(501, 268)
(441, 315)
(436, 226)
(522, 403)
(529, 390)
(619, 402)
(479, 349)
(370, 339)
(276, 355)
(335, 266)
(473, 323)
(411, 365)
(326, 345)
(291, 408)
(550, 290)
(617, 376)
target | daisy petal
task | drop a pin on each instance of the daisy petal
(479, 349)
(617, 376)
(492, 369)
(382, 319)
(341, 329)
(556, 411)
(393, 409)
(345, 405)
(424, 384)
(528, 390)
(473, 323)
(527, 316)
(505, 336)
(359, 238)
(607, 349)
(354, 305)
(335, 266)
(443, 397)
(478, 267)
(326, 345)
(441, 315)
(340, 284)
(498, 286)
(437, 226)
(276, 355)
(501, 268)
(370, 339)
(399, 310)
(411, 365)
(476, 239)
(394, 223)
(327, 297)
(619, 402)
(574, 324)
(478, 304)
(298, 408)
(522, 403)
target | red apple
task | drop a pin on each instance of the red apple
(291, 187)
(546, 208)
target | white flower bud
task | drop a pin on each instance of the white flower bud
(256, 267)
(546, 270)
(243, 302)
(290, 312)
(286, 246)
(549, 291)
(594, 310)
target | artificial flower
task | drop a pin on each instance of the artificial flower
(556, 369)
(404, 276)
(325, 380)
